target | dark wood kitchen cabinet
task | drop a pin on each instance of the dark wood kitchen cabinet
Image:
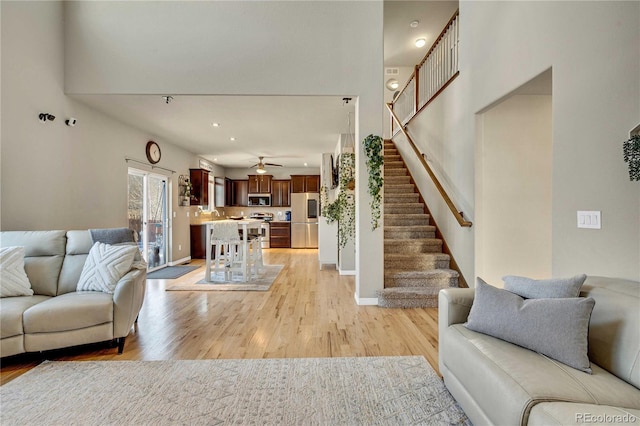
(260, 184)
(240, 193)
(198, 241)
(200, 191)
(281, 193)
(280, 235)
(228, 192)
(305, 183)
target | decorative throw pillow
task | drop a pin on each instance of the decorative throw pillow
(14, 280)
(557, 328)
(540, 289)
(104, 267)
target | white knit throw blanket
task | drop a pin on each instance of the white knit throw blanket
(224, 230)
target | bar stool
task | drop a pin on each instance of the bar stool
(227, 248)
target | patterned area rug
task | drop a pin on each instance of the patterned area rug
(261, 283)
(322, 391)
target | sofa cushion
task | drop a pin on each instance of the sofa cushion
(69, 311)
(538, 289)
(507, 380)
(614, 336)
(105, 265)
(527, 323)
(44, 252)
(78, 246)
(11, 310)
(14, 280)
(567, 413)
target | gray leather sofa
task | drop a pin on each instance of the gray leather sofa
(57, 316)
(498, 383)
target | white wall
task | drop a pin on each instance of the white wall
(55, 176)
(593, 50)
(514, 190)
(240, 48)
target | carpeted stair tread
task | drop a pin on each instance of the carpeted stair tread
(408, 297)
(406, 219)
(440, 278)
(404, 208)
(422, 245)
(394, 165)
(391, 180)
(407, 197)
(399, 188)
(409, 232)
(395, 172)
(416, 261)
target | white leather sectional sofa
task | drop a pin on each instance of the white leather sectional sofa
(499, 383)
(57, 315)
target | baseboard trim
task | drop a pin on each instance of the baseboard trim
(347, 272)
(180, 261)
(366, 301)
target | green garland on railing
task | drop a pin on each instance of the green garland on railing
(631, 151)
(375, 160)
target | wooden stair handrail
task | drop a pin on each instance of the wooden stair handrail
(458, 214)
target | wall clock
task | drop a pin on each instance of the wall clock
(153, 152)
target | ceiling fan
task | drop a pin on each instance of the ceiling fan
(260, 165)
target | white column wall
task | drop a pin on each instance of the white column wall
(240, 48)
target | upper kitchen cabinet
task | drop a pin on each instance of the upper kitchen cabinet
(305, 183)
(200, 191)
(240, 193)
(280, 193)
(260, 184)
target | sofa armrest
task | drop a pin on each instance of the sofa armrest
(454, 305)
(127, 301)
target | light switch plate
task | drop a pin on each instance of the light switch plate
(589, 219)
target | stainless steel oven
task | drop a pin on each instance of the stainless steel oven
(265, 229)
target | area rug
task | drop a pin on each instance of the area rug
(171, 272)
(260, 283)
(295, 391)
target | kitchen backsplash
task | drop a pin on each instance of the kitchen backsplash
(278, 213)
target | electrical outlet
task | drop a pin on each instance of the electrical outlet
(187, 214)
(174, 214)
(195, 214)
(179, 247)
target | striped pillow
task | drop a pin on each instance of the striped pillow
(14, 280)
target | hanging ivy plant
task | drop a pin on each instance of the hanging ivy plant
(375, 160)
(343, 208)
(631, 150)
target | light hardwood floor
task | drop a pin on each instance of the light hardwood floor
(306, 313)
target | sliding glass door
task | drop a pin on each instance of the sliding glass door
(148, 215)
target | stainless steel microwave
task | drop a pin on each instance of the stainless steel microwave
(258, 200)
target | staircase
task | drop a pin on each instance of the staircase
(414, 264)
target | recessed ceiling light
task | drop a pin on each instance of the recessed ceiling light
(232, 139)
(215, 159)
(215, 124)
(305, 164)
(414, 24)
(421, 42)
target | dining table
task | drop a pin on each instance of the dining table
(244, 225)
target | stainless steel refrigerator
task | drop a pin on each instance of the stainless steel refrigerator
(304, 219)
